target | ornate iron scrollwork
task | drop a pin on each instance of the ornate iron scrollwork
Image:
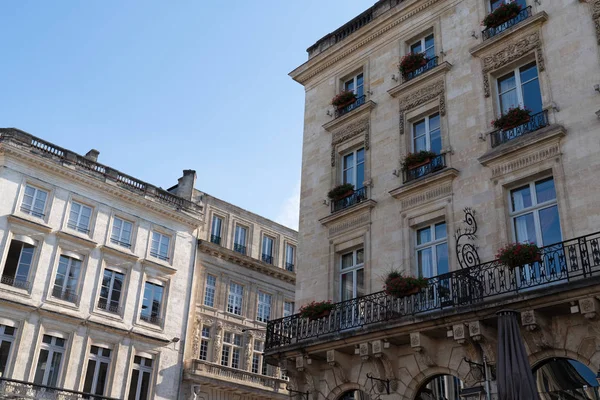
(466, 253)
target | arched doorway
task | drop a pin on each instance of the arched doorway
(440, 387)
(565, 379)
(353, 395)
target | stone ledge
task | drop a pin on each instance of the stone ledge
(346, 211)
(429, 75)
(13, 219)
(354, 114)
(427, 180)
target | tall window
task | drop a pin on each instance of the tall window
(159, 247)
(34, 201)
(121, 232)
(424, 45)
(79, 217)
(7, 337)
(67, 279)
(232, 346)
(353, 168)
(263, 313)
(209, 290)
(426, 134)
(289, 257)
(352, 275)
(497, 3)
(18, 264)
(258, 365)
(534, 213)
(520, 88)
(234, 300)
(432, 250)
(152, 303)
(141, 375)
(288, 308)
(96, 375)
(49, 361)
(110, 293)
(215, 231)
(204, 343)
(267, 249)
(239, 243)
(356, 85)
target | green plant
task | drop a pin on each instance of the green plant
(343, 99)
(501, 14)
(399, 285)
(515, 116)
(316, 309)
(412, 62)
(340, 191)
(413, 159)
(518, 254)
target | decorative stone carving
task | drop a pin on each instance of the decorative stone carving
(196, 339)
(596, 18)
(510, 53)
(336, 361)
(486, 337)
(365, 350)
(540, 328)
(421, 96)
(589, 307)
(218, 342)
(348, 132)
(459, 333)
(248, 349)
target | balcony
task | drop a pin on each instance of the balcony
(66, 295)
(13, 389)
(345, 110)
(109, 306)
(436, 164)
(152, 319)
(267, 258)
(240, 248)
(31, 211)
(431, 63)
(159, 256)
(215, 239)
(356, 197)
(289, 266)
(536, 121)
(78, 228)
(127, 245)
(491, 32)
(15, 282)
(569, 263)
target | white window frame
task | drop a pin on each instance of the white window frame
(353, 269)
(99, 358)
(518, 85)
(213, 226)
(30, 209)
(288, 310)
(76, 225)
(119, 241)
(357, 185)
(235, 298)
(205, 339)
(155, 319)
(264, 255)
(142, 369)
(237, 236)
(52, 348)
(263, 309)
(156, 253)
(30, 266)
(9, 338)
(354, 80)
(290, 260)
(72, 262)
(433, 244)
(258, 364)
(421, 41)
(108, 308)
(210, 290)
(427, 133)
(233, 350)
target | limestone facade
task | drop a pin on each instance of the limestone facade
(403, 219)
(95, 268)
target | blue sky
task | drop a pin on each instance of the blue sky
(162, 86)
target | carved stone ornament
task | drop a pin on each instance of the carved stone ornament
(421, 96)
(513, 51)
(348, 132)
(596, 17)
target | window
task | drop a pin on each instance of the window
(258, 365)
(232, 345)
(353, 168)
(34, 201)
(96, 375)
(497, 3)
(160, 246)
(204, 343)
(209, 290)
(432, 250)
(263, 313)
(18, 264)
(426, 134)
(139, 389)
(520, 88)
(352, 275)
(234, 301)
(215, 233)
(288, 308)
(121, 232)
(424, 45)
(7, 337)
(356, 85)
(152, 303)
(239, 243)
(49, 361)
(289, 257)
(67, 279)
(534, 213)
(79, 217)
(110, 293)
(267, 249)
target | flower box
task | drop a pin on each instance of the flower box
(343, 99)
(501, 14)
(341, 191)
(398, 285)
(412, 62)
(519, 254)
(512, 118)
(316, 310)
(416, 160)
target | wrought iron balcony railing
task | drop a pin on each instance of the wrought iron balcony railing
(107, 306)
(215, 239)
(234, 374)
(289, 266)
(66, 295)
(356, 197)
(240, 248)
(15, 282)
(489, 33)
(436, 164)
(152, 319)
(31, 211)
(159, 256)
(431, 63)
(78, 228)
(267, 258)
(120, 243)
(536, 121)
(561, 264)
(14, 389)
(345, 110)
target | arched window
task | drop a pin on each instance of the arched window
(353, 395)
(441, 387)
(565, 378)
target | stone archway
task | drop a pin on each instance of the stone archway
(419, 382)
(339, 392)
(567, 377)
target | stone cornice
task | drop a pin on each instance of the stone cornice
(429, 75)
(366, 204)
(246, 261)
(13, 219)
(350, 117)
(74, 238)
(430, 187)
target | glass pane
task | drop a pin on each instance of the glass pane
(521, 198)
(441, 252)
(425, 264)
(440, 230)
(423, 235)
(41, 367)
(134, 384)
(359, 86)
(54, 369)
(550, 226)
(434, 122)
(525, 229)
(347, 260)
(508, 100)
(360, 175)
(532, 97)
(348, 160)
(528, 72)
(416, 48)
(4, 353)
(101, 381)
(347, 286)
(349, 85)
(89, 376)
(420, 144)
(145, 386)
(360, 256)
(506, 83)
(419, 128)
(360, 156)
(436, 141)
(545, 190)
(360, 282)
(429, 41)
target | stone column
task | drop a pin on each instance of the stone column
(249, 349)
(218, 343)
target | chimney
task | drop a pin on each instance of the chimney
(185, 184)
(92, 155)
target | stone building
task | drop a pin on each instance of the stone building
(245, 276)
(532, 179)
(95, 270)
